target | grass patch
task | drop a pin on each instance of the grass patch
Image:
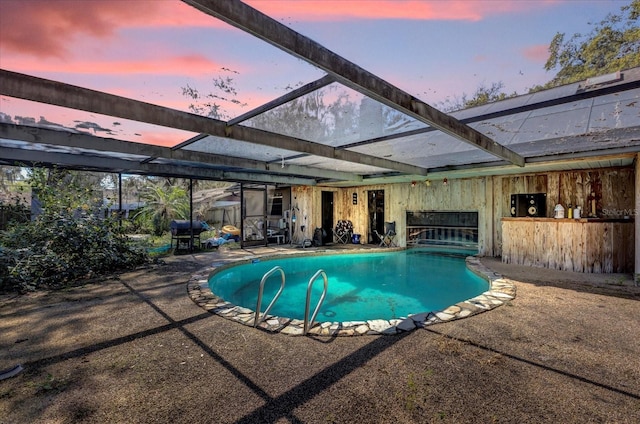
(50, 385)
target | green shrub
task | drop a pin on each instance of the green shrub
(60, 247)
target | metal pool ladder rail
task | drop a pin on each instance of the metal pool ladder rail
(308, 322)
(258, 318)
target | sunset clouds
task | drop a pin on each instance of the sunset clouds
(339, 10)
(52, 27)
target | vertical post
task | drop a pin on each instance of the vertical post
(636, 215)
(191, 214)
(489, 218)
(120, 198)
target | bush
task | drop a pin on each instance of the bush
(58, 248)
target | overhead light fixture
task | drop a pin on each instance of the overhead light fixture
(428, 183)
(445, 182)
(413, 183)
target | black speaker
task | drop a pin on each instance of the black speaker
(518, 205)
(530, 204)
(536, 204)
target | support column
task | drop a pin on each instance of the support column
(636, 215)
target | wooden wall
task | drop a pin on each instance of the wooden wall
(613, 188)
(569, 245)
(489, 196)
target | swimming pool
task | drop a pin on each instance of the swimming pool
(361, 286)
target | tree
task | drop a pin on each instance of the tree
(70, 238)
(483, 95)
(163, 203)
(612, 45)
(207, 104)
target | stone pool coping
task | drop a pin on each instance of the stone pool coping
(501, 290)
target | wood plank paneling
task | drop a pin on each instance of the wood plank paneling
(568, 245)
(490, 197)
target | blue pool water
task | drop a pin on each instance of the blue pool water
(362, 286)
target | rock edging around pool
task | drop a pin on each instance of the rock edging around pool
(500, 291)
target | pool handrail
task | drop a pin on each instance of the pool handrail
(309, 322)
(259, 319)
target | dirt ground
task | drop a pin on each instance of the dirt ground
(134, 348)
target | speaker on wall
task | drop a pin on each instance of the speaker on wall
(518, 206)
(530, 204)
(536, 204)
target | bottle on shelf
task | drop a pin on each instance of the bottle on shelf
(569, 211)
(558, 211)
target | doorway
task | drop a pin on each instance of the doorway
(327, 217)
(376, 214)
(253, 198)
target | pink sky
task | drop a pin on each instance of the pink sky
(149, 49)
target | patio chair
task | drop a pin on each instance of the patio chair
(388, 239)
(343, 231)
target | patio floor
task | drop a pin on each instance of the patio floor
(135, 348)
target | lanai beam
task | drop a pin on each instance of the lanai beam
(90, 142)
(21, 157)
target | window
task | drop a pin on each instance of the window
(449, 228)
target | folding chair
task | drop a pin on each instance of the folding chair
(343, 231)
(388, 238)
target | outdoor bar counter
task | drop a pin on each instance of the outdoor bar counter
(595, 245)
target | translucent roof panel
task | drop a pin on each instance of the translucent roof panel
(542, 127)
(629, 98)
(427, 150)
(558, 92)
(334, 115)
(50, 148)
(24, 112)
(502, 129)
(237, 148)
(613, 115)
(551, 130)
(337, 165)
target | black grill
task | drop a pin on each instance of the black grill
(184, 235)
(182, 228)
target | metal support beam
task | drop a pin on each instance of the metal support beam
(250, 20)
(23, 157)
(27, 87)
(139, 151)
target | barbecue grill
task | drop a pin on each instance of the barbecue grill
(186, 234)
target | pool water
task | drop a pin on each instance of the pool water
(362, 286)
